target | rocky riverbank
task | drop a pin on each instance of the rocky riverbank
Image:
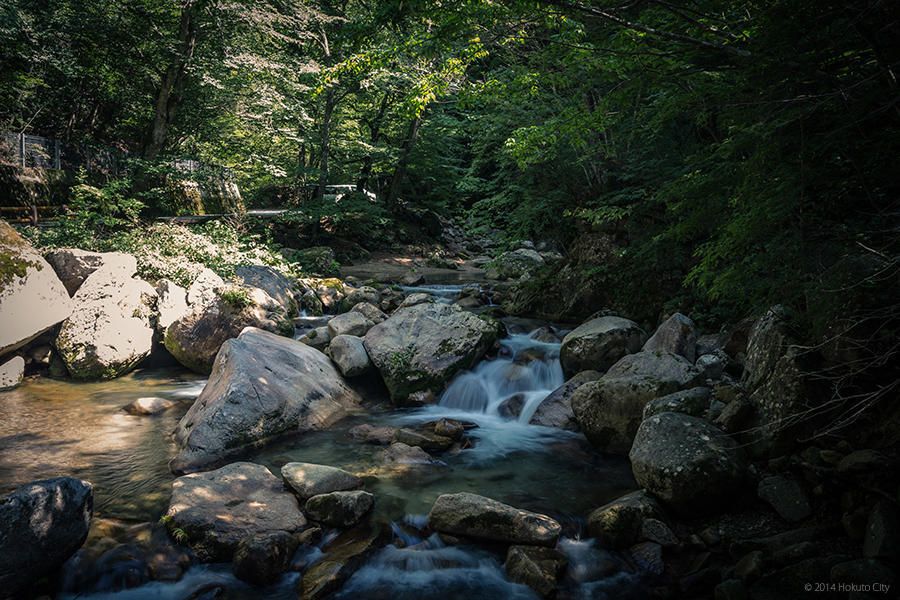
(731, 497)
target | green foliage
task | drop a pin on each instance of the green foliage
(236, 297)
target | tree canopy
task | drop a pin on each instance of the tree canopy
(742, 153)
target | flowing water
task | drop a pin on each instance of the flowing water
(50, 428)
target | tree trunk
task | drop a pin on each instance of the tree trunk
(375, 130)
(400, 172)
(173, 82)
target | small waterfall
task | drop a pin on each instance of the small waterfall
(513, 384)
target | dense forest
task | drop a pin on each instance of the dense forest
(710, 158)
(743, 153)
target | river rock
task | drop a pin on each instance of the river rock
(610, 409)
(774, 377)
(556, 409)
(12, 372)
(343, 556)
(412, 279)
(42, 524)
(310, 303)
(512, 407)
(450, 428)
(262, 385)
(205, 288)
(515, 264)
(308, 479)
(597, 344)
(195, 338)
(417, 298)
(712, 365)
(111, 329)
(370, 311)
(73, 266)
(273, 283)
(475, 516)
(677, 335)
(864, 461)
(537, 567)
(882, 538)
(694, 402)
(349, 323)
(686, 462)
(362, 294)
(785, 496)
(150, 405)
(213, 511)
(419, 348)
(648, 556)
(330, 293)
(318, 338)
(340, 509)
(619, 523)
(171, 303)
(426, 440)
(32, 298)
(373, 435)
(349, 354)
(404, 458)
(260, 559)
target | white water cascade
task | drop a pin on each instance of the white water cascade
(523, 374)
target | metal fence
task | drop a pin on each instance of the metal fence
(22, 150)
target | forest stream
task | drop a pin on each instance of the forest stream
(52, 427)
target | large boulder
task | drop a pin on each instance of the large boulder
(556, 409)
(171, 303)
(73, 266)
(421, 347)
(775, 377)
(42, 524)
(276, 285)
(195, 338)
(111, 329)
(599, 343)
(262, 385)
(212, 512)
(610, 409)
(514, 264)
(349, 354)
(686, 462)
(479, 517)
(32, 298)
(677, 335)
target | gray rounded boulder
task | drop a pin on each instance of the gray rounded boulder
(262, 386)
(597, 344)
(479, 517)
(419, 348)
(686, 462)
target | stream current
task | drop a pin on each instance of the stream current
(50, 428)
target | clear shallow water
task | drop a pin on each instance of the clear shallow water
(50, 428)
